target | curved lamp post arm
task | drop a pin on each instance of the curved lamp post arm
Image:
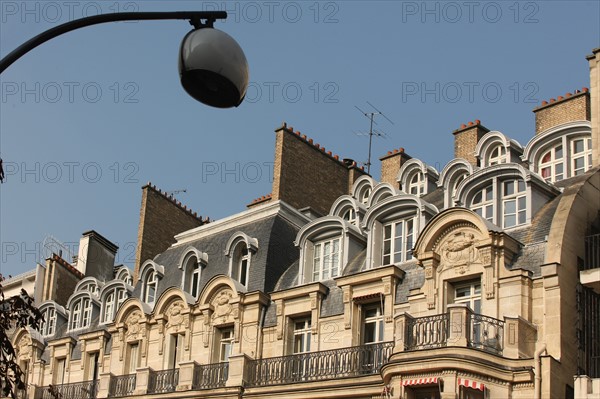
(194, 17)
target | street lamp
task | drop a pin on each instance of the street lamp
(212, 66)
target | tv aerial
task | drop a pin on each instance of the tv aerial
(373, 132)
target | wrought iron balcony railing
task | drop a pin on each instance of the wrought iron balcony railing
(78, 390)
(323, 365)
(592, 252)
(207, 376)
(427, 332)
(163, 381)
(122, 385)
(486, 333)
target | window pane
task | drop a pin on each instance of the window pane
(477, 198)
(509, 220)
(558, 154)
(509, 207)
(509, 188)
(547, 157)
(521, 186)
(489, 193)
(577, 146)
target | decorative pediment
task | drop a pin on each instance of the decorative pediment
(458, 249)
(224, 310)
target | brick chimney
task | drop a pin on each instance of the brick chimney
(466, 138)
(305, 174)
(161, 218)
(594, 60)
(568, 108)
(391, 164)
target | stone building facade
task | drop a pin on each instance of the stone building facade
(479, 281)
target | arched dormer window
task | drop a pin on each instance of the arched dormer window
(54, 317)
(348, 208)
(416, 184)
(497, 155)
(89, 284)
(192, 263)
(416, 177)
(326, 245)
(112, 296)
(362, 189)
(503, 194)
(80, 312)
(150, 274)
(561, 152)
(451, 176)
(240, 249)
(393, 227)
(125, 275)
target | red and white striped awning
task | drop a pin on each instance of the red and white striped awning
(420, 381)
(471, 384)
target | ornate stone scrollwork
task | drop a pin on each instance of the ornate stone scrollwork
(223, 307)
(459, 251)
(174, 315)
(133, 326)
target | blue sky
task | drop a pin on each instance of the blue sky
(88, 118)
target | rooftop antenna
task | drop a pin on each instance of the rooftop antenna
(371, 117)
(172, 193)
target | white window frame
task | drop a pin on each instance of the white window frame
(518, 197)
(349, 215)
(150, 281)
(585, 155)
(326, 265)
(416, 184)
(133, 357)
(302, 335)
(472, 298)
(225, 343)
(486, 205)
(407, 240)
(81, 314)
(109, 307)
(49, 325)
(497, 155)
(376, 321)
(554, 165)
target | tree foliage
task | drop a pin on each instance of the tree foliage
(15, 312)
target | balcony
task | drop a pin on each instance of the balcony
(461, 327)
(208, 376)
(79, 390)
(122, 385)
(317, 366)
(163, 381)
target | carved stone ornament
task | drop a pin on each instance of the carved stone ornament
(132, 323)
(24, 346)
(222, 306)
(459, 251)
(174, 314)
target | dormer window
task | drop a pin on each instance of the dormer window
(364, 195)
(81, 314)
(241, 263)
(483, 203)
(551, 165)
(581, 155)
(350, 215)
(398, 240)
(497, 155)
(326, 259)
(150, 285)
(416, 185)
(49, 323)
(514, 203)
(191, 272)
(113, 298)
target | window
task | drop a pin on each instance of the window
(470, 294)
(350, 215)
(225, 344)
(581, 156)
(551, 165)
(150, 287)
(301, 336)
(372, 324)
(192, 271)
(514, 203)
(81, 314)
(92, 288)
(416, 185)
(364, 195)
(398, 239)
(457, 181)
(240, 263)
(133, 358)
(497, 156)
(92, 369)
(326, 259)
(483, 203)
(175, 351)
(112, 301)
(49, 323)
(59, 372)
